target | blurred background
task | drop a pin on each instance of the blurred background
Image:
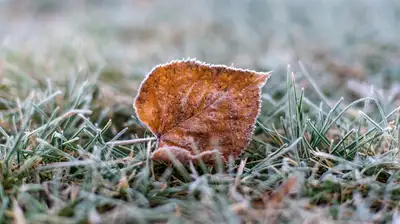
(343, 45)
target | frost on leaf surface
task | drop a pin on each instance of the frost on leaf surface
(196, 109)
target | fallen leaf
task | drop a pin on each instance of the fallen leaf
(271, 205)
(196, 109)
(283, 190)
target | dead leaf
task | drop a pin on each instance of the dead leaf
(283, 191)
(271, 205)
(195, 107)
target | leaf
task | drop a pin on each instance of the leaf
(194, 108)
(284, 190)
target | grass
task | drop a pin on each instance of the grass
(318, 154)
(59, 164)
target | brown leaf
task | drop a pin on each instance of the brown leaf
(194, 107)
(274, 199)
(283, 191)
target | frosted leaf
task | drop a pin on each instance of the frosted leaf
(195, 107)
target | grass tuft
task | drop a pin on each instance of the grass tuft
(59, 166)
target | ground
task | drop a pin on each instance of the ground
(326, 143)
